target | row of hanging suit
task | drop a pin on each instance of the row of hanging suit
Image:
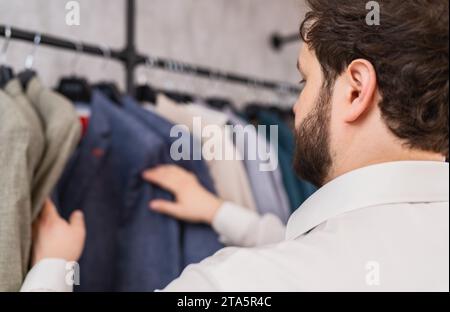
(88, 149)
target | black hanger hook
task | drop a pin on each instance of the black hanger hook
(29, 61)
(8, 35)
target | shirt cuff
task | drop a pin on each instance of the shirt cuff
(232, 222)
(48, 275)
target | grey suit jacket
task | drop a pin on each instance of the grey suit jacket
(38, 134)
(37, 143)
(62, 131)
(15, 200)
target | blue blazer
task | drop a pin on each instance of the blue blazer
(128, 247)
(199, 241)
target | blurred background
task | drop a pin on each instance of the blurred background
(231, 35)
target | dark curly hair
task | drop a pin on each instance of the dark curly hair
(409, 51)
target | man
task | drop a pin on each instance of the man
(372, 131)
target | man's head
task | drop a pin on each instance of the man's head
(372, 93)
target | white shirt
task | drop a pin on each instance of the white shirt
(380, 228)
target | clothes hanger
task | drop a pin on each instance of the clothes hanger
(6, 72)
(75, 88)
(180, 97)
(217, 102)
(28, 73)
(285, 112)
(252, 108)
(145, 92)
(109, 88)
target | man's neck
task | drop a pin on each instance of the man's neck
(359, 161)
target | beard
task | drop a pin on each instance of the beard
(313, 159)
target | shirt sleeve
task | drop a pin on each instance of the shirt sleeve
(241, 227)
(206, 275)
(48, 275)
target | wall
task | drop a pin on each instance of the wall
(230, 35)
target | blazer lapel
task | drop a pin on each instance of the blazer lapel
(86, 162)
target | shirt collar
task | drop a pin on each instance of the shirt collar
(387, 183)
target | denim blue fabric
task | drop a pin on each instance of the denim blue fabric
(128, 247)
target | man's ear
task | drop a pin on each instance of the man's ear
(362, 80)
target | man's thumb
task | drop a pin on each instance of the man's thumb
(77, 220)
(49, 211)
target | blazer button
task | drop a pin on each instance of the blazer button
(98, 152)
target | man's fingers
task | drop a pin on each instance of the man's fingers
(166, 176)
(49, 211)
(165, 207)
(76, 220)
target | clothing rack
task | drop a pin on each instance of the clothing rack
(278, 41)
(130, 58)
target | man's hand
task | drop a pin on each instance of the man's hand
(54, 237)
(193, 203)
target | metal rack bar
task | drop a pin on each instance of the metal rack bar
(278, 41)
(130, 58)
